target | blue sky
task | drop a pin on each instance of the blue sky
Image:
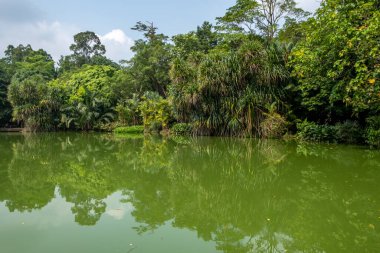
(51, 24)
(171, 16)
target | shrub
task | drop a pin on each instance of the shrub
(155, 111)
(129, 130)
(128, 112)
(273, 126)
(373, 122)
(373, 131)
(349, 132)
(154, 126)
(181, 129)
(310, 131)
(373, 137)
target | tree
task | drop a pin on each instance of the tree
(87, 49)
(337, 64)
(25, 59)
(86, 45)
(149, 67)
(228, 91)
(264, 16)
(87, 114)
(5, 107)
(240, 17)
(200, 41)
(292, 31)
(27, 71)
(31, 104)
(86, 96)
(37, 63)
(17, 54)
(128, 111)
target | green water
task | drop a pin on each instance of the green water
(99, 193)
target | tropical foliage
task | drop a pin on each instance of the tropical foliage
(87, 96)
(229, 93)
(262, 70)
(337, 65)
(156, 112)
(31, 104)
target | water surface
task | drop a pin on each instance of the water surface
(100, 193)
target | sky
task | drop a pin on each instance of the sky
(51, 24)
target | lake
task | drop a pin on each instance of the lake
(73, 192)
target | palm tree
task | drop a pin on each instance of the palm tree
(232, 89)
(86, 115)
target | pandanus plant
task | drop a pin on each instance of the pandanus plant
(232, 89)
(32, 103)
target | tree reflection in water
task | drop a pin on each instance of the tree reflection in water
(246, 195)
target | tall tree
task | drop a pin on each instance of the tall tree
(86, 45)
(87, 49)
(21, 63)
(29, 99)
(149, 67)
(5, 107)
(264, 16)
(337, 65)
(202, 40)
(17, 54)
(24, 58)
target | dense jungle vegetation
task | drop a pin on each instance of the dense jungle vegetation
(266, 68)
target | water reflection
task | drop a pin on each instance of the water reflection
(244, 195)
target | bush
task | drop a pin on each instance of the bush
(154, 126)
(349, 132)
(373, 131)
(373, 137)
(310, 131)
(129, 130)
(155, 111)
(273, 126)
(373, 122)
(181, 129)
(128, 112)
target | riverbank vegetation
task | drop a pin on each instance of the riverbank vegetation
(264, 69)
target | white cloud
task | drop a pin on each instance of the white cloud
(116, 35)
(54, 37)
(309, 5)
(117, 44)
(117, 214)
(21, 22)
